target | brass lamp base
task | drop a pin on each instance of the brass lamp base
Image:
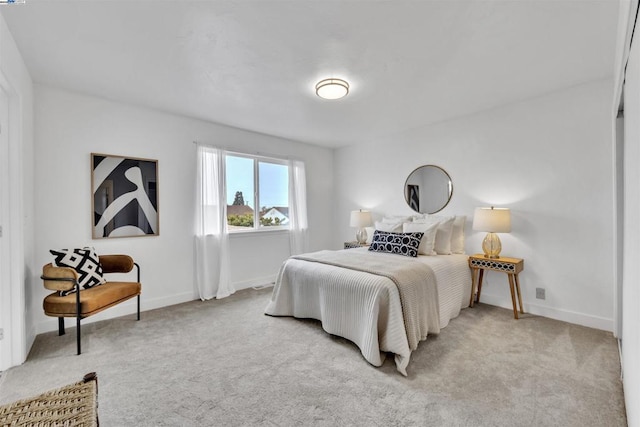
(361, 235)
(491, 246)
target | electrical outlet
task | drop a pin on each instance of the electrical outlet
(539, 293)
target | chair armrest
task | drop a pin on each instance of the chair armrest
(116, 263)
(59, 278)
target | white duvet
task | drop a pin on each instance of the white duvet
(364, 307)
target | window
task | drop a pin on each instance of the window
(257, 193)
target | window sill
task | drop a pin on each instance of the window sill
(254, 233)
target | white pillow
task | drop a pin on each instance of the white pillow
(457, 235)
(370, 231)
(395, 219)
(388, 227)
(433, 218)
(457, 232)
(443, 236)
(428, 239)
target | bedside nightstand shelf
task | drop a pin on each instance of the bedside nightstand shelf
(354, 244)
(512, 266)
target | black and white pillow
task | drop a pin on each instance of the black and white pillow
(85, 261)
(396, 243)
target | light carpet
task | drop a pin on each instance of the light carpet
(226, 363)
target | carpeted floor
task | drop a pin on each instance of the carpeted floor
(226, 363)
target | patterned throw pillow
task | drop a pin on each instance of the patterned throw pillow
(396, 243)
(85, 262)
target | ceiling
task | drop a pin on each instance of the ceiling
(254, 64)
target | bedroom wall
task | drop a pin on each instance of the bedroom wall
(549, 159)
(69, 126)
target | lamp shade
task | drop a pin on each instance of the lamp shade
(360, 218)
(492, 220)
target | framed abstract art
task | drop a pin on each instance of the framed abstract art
(413, 197)
(124, 196)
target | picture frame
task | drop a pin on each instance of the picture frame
(124, 196)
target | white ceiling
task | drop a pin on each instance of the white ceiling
(254, 64)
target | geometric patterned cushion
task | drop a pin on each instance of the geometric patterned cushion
(396, 243)
(85, 262)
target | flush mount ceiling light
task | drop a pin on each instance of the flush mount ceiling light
(332, 88)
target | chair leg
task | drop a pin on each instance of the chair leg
(78, 317)
(60, 326)
(138, 306)
(78, 334)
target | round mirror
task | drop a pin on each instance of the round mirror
(428, 189)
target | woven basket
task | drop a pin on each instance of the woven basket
(75, 405)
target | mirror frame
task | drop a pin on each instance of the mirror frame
(404, 188)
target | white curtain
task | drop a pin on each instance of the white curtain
(298, 227)
(211, 234)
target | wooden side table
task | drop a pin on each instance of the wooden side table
(512, 266)
(354, 244)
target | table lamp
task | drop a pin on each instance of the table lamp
(361, 219)
(492, 220)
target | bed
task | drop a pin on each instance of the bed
(355, 295)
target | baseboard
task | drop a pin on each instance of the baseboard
(621, 360)
(123, 309)
(555, 313)
(30, 339)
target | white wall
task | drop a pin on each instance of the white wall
(548, 159)
(17, 198)
(70, 126)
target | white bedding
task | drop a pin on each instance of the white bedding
(364, 307)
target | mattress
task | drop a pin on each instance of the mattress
(364, 307)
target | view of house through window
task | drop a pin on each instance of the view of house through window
(257, 193)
